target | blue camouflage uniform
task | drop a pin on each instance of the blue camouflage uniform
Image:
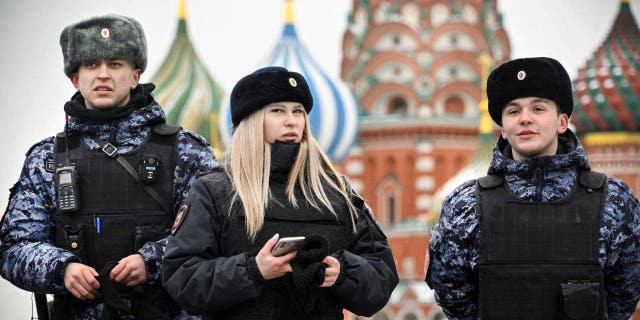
(455, 241)
(29, 257)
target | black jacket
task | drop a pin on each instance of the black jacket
(203, 277)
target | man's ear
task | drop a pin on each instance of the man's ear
(563, 124)
(74, 80)
(136, 78)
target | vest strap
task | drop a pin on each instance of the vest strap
(112, 152)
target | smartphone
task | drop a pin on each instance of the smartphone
(286, 245)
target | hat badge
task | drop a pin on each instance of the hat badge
(293, 82)
(104, 33)
(522, 75)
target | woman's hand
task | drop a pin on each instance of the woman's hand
(272, 267)
(332, 271)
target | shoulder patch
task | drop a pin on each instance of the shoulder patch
(200, 139)
(50, 166)
(182, 213)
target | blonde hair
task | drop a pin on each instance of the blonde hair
(248, 164)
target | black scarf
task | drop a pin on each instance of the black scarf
(283, 156)
(140, 97)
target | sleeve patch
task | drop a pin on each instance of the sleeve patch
(182, 213)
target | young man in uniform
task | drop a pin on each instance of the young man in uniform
(542, 236)
(88, 217)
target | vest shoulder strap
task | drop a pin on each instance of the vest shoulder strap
(592, 179)
(491, 181)
(165, 129)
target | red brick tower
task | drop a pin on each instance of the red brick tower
(414, 67)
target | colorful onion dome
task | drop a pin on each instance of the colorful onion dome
(334, 117)
(607, 88)
(186, 90)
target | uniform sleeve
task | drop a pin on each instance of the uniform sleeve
(453, 252)
(28, 257)
(194, 272)
(195, 158)
(621, 223)
(368, 273)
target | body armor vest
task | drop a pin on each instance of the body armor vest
(540, 260)
(115, 214)
(282, 218)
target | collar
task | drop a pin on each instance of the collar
(569, 153)
(283, 156)
(140, 97)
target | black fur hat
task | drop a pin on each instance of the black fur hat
(268, 85)
(110, 36)
(528, 77)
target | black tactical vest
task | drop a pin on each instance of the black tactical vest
(540, 260)
(116, 215)
(282, 218)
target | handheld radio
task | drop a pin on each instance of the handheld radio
(67, 188)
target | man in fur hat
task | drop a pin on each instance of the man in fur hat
(542, 236)
(87, 220)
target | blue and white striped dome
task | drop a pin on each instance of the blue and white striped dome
(334, 117)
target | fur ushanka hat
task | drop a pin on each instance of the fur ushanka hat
(268, 85)
(105, 37)
(528, 77)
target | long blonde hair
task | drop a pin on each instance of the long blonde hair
(248, 164)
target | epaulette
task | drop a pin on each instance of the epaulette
(491, 181)
(196, 137)
(165, 129)
(591, 179)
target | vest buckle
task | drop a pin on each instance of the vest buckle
(110, 150)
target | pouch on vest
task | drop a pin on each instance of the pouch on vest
(74, 240)
(580, 300)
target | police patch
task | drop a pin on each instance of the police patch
(182, 213)
(50, 166)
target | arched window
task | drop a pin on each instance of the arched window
(397, 106)
(395, 38)
(454, 40)
(454, 105)
(391, 208)
(389, 202)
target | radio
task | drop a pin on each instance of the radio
(67, 188)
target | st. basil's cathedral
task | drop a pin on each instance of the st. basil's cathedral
(406, 120)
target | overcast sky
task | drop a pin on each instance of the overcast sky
(231, 37)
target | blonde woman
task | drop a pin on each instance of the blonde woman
(276, 182)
